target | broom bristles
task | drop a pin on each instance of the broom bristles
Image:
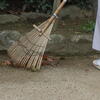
(29, 50)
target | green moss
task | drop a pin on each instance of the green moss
(88, 27)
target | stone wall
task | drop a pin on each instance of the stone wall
(60, 44)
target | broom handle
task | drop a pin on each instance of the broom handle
(52, 17)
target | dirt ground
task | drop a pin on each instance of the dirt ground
(72, 79)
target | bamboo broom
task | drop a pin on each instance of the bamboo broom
(29, 50)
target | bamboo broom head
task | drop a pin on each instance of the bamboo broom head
(28, 51)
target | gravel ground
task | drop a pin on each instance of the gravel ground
(72, 79)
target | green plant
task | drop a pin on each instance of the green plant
(41, 5)
(84, 4)
(30, 1)
(3, 4)
(45, 7)
(89, 27)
